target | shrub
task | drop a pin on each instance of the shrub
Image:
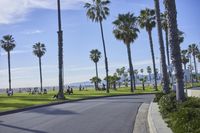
(158, 96)
(168, 104)
(186, 120)
(192, 102)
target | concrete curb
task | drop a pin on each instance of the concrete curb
(155, 121)
(63, 102)
(141, 123)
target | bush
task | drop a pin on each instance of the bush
(185, 120)
(192, 102)
(168, 104)
(158, 96)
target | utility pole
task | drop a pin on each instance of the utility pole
(60, 54)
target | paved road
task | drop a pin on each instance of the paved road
(105, 115)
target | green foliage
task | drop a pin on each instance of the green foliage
(168, 104)
(186, 120)
(158, 97)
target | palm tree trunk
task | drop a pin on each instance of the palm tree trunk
(167, 47)
(170, 6)
(105, 55)
(165, 78)
(40, 66)
(130, 67)
(195, 67)
(9, 72)
(60, 55)
(97, 86)
(153, 59)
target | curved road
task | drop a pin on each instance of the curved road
(104, 115)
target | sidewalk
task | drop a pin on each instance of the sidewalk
(141, 123)
(156, 123)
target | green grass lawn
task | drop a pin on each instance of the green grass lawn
(21, 100)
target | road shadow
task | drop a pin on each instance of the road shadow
(22, 129)
(52, 111)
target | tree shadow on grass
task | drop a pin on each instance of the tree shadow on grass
(22, 129)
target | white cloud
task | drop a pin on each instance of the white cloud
(12, 11)
(15, 52)
(32, 32)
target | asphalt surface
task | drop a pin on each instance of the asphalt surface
(104, 115)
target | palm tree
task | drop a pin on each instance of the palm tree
(194, 50)
(97, 11)
(147, 21)
(95, 55)
(39, 50)
(136, 75)
(8, 44)
(149, 71)
(60, 94)
(96, 81)
(184, 58)
(142, 71)
(120, 72)
(126, 30)
(165, 77)
(165, 28)
(174, 42)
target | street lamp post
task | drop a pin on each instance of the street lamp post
(60, 54)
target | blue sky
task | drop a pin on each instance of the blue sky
(30, 21)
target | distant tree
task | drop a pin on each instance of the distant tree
(149, 71)
(184, 58)
(126, 80)
(96, 81)
(136, 74)
(147, 20)
(95, 55)
(143, 80)
(120, 72)
(114, 80)
(8, 44)
(39, 50)
(194, 50)
(126, 30)
(97, 11)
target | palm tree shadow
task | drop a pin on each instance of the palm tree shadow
(49, 111)
(22, 129)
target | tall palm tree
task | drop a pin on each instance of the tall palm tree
(60, 94)
(97, 11)
(95, 55)
(149, 71)
(165, 28)
(174, 42)
(39, 50)
(194, 50)
(8, 44)
(165, 77)
(147, 21)
(126, 30)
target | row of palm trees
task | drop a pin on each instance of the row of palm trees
(8, 44)
(187, 54)
(126, 29)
